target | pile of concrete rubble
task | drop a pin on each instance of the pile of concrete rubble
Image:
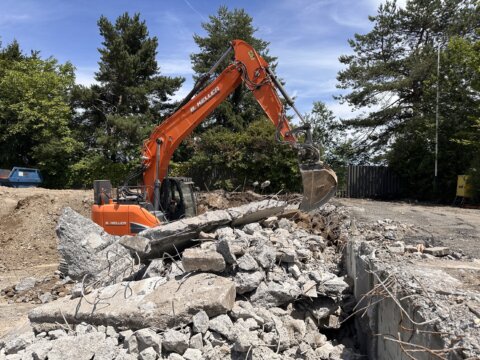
(257, 281)
(245, 282)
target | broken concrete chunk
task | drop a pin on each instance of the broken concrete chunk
(57, 334)
(136, 244)
(265, 255)
(131, 345)
(155, 268)
(330, 322)
(222, 325)
(333, 287)
(247, 263)
(294, 270)
(437, 251)
(251, 228)
(39, 349)
(225, 233)
(148, 354)
(286, 255)
(275, 294)
(244, 310)
(196, 259)
(286, 224)
(140, 304)
(224, 248)
(125, 335)
(83, 347)
(192, 354)
(397, 247)
(245, 282)
(245, 340)
(270, 222)
(196, 341)
(26, 284)
(175, 356)
(309, 289)
(322, 308)
(206, 236)
(83, 329)
(80, 255)
(175, 341)
(147, 338)
(200, 322)
(177, 234)
(14, 343)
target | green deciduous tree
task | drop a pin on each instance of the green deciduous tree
(229, 160)
(115, 116)
(240, 108)
(35, 114)
(392, 73)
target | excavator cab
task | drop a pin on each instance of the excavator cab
(177, 198)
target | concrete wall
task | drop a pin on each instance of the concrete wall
(385, 319)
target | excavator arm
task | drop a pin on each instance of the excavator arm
(252, 70)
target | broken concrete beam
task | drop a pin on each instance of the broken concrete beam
(196, 259)
(256, 211)
(141, 304)
(177, 235)
(437, 251)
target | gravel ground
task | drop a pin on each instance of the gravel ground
(455, 227)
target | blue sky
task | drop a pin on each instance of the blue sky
(307, 36)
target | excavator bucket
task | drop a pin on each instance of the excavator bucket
(319, 185)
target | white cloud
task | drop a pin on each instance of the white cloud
(175, 67)
(85, 76)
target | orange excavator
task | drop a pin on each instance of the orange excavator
(162, 198)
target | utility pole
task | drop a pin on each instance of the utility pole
(436, 121)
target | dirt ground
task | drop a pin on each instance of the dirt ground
(27, 228)
(28, 244)
(455, 227)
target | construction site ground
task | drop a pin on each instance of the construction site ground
(455, 227)
(29, 246)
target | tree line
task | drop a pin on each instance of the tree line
(76, 133)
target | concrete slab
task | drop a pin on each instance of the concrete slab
(137, 305)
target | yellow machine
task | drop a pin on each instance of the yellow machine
(464, 187)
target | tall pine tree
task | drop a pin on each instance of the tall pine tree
(240, 108)
(392, 73)
(117, 114)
